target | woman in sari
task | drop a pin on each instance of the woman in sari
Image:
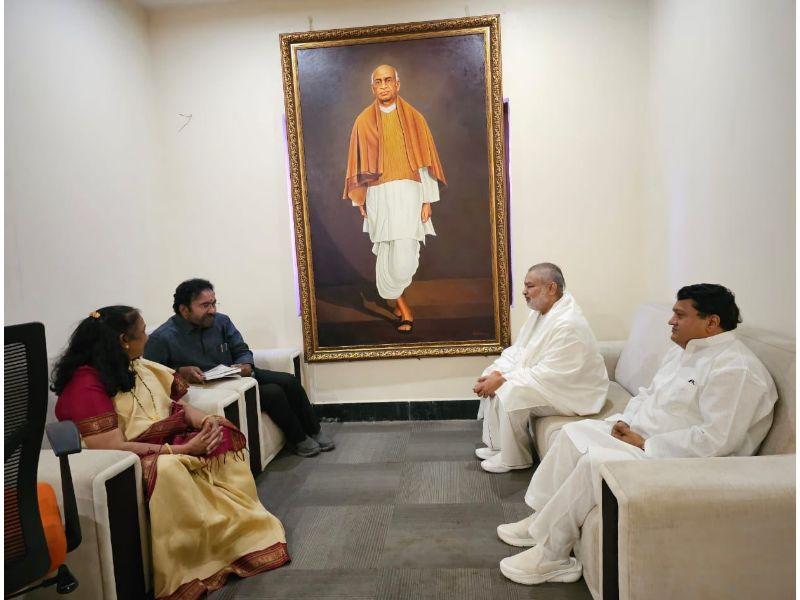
(206, 521)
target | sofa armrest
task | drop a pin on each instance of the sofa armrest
(699, 528)
(278, 359)
(212, 400)
(611, 351)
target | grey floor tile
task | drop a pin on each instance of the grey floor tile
(472, 425)
(400, 510)
(369, 483)
(446, 483)
(337, 537)
(512, 486)
(468, 584)
(454, 444)
(296, 584)
(516, 512)
(445, 536)
(228, 591)
(277, 489)
(288, 462)
(368, 447)
(444, 584)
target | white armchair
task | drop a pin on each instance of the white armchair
(113, 561)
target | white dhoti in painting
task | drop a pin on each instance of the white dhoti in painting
(395, 228)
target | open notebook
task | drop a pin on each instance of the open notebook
(222, 371)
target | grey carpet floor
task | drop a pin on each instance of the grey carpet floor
(399, 511)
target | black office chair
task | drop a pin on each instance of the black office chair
(27, 558)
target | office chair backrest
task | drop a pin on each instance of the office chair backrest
(25, 405)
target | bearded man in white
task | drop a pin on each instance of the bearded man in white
(710, 397)
(553, 368)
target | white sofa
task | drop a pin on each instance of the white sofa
(113, 561)
(690, 528)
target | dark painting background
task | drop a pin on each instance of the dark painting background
(443, 78)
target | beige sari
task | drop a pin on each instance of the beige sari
(206, 520)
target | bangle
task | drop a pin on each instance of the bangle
(169, 448)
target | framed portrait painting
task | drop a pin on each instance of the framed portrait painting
(396, 151)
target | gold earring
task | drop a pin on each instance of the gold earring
(126, 346)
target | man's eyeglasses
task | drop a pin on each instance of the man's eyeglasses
(207, 305)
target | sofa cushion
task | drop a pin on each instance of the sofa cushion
(545, 428)
(645, 348)
(778, 355)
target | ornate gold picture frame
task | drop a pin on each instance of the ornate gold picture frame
(396, 149)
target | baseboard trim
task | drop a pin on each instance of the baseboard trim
(433, 410)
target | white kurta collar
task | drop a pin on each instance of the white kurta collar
(387, 109)
(720, 338)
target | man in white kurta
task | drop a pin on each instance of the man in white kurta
(393, 177)
(553, 368)
(710, 397)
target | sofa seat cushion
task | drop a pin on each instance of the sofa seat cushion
(645, 348)
(545, 428)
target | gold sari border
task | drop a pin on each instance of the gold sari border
(179, 387)
(97, 424)
(163, 429)
(248, 565)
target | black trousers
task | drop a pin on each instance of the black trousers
(286, 402)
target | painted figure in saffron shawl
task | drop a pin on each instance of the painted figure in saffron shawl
(393, 177)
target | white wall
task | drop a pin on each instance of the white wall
(575, 74)
(721, 158)
(633, 124)
(80, 162)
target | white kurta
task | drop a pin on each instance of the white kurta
(395, 228)
(553, 367)
(714, 398)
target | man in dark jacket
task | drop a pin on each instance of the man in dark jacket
(198, 338)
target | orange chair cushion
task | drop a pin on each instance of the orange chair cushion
(53, 528)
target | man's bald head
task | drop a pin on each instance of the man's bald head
(550, 273)
(384, 67)
(385, 84)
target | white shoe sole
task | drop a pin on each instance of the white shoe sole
(568, 574)
(486, 453)
(493, 468)
(513, 540)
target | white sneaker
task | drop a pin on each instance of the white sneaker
(484, 453)
(530, 568)
(495, 465)
(517, 534)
